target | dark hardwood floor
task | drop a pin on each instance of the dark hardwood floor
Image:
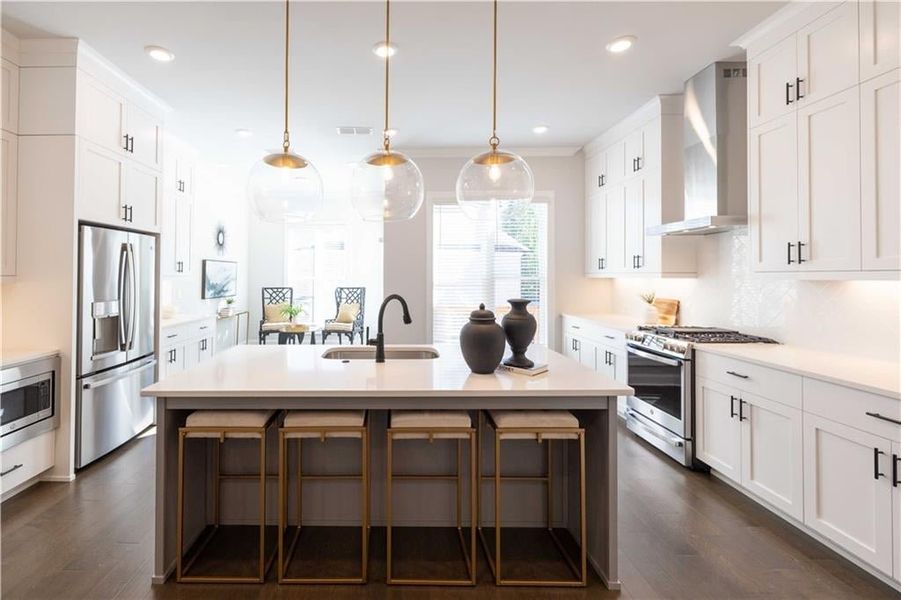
(682, 535)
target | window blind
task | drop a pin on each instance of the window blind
(488, 261)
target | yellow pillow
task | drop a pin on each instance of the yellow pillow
(347, 312)
(273, 313)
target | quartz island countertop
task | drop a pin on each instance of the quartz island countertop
(297, 371)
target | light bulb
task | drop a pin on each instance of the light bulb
(387, 173)
(494, 172)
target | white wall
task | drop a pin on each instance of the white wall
(219, 198)
(849, 317)
(406, 259)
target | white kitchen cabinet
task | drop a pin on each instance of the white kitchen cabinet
(101, 176)
(848, 489)
(9, 96)
(580, 349)
(615, 236)
(829, 170)
(828, 52)
(142, 196)
(771, 452)
(569, 347)
(773, 203)
(634, 152)
(615, 162)
(635, 223)
(197, 351)
(184, 211)
(896, 505)
(880, 177)
(9, 152)
(596, 233)
(101, 115)
(184, 176)
(718, 428)
(880, 25)
(172, 360)
(771, 77)
(596, 173)
(145, 133)
(25, 461)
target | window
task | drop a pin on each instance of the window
(488, 261)
(315, 264)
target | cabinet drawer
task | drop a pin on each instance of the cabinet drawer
(170, 336)
(26, 460)
(769, 383)
(850, 407)
(588, 329)
(202, 329)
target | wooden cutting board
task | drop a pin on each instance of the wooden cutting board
(667, 310)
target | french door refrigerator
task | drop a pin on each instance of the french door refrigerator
(116, 344)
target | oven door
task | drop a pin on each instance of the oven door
(662, 389)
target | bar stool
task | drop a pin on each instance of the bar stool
(221, 425)
(431, 426)
(539, 425)
(321, 425)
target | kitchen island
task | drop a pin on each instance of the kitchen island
(302, 377)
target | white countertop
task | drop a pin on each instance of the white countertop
(176, 320)
(878, 377)
(619, 322)
(19, 356)
(249, 371)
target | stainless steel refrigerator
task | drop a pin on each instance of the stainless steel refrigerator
(116, 344)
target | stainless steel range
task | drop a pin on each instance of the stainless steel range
(661, 372)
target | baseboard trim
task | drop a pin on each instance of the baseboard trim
(59, 478)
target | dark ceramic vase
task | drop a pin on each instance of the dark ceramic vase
(519, 327)
(482, 342)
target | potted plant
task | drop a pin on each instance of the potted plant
(228, 309)
(290, 312)
(650, 314)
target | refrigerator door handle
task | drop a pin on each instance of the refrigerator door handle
(133, 294)
(93, 385)
(123, 273)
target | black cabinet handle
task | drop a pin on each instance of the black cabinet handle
(800, 260)
(638, 163)
(603, 263)
(170, 336)
(640, 261)
(895, 460)
(876, 472)
(131, 144)
(798, 94)
(788, 92)
(882, 417)
(11, 469)
(732, 412)
(741, 410)
(739, 375)
(788, 253)
(125, 147)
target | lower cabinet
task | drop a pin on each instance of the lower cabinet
(754, 441)
(597, 347)
(848, 487)
(896, 505)
(186, 345)
(24, 461)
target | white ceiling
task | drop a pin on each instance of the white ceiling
(554, 69)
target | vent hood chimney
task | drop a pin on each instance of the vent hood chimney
(714, 152)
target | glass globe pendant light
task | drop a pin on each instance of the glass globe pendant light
(494, 176)
(285, 186)
(387, 185)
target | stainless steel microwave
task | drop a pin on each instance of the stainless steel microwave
(28, 400)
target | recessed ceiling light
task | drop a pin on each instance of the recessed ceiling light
(159, 53)
(621, 44)
(539, 129)
(383, 50)
(391, 132)
(243, 133)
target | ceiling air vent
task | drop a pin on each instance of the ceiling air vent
(348, 130)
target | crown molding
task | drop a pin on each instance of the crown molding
(470, 151)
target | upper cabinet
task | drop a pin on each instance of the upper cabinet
(8, 158)
(879, 32)
(823, 112)
(633, 180)
(9, 96)
(178, 208)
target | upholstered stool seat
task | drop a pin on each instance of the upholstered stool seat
(413, 426)
(218, 426)
(322, 425)
(543, 426)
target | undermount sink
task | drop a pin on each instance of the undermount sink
(391, 353)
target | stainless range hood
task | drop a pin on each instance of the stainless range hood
(714, 152)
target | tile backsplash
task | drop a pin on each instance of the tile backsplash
(849, 317)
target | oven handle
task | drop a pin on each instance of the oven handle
(655, 357)
(642, 421)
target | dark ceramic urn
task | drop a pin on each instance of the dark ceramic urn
(519, 327)
(482, 342)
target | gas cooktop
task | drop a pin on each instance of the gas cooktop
(677, 341)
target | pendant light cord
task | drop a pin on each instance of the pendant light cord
(286, 142)
(494, 141)
(386, 140)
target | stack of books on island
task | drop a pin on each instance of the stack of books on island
(536, 369)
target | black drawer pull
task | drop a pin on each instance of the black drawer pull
(876, 472)
(739, 375)
(789, 253)
(11, 469)
(798, 82)
(883, 418)
(171, 335)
